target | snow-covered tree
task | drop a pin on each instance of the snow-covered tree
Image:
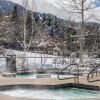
(78, 10)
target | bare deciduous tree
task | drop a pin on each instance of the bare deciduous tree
(79, 9)
(24, 43)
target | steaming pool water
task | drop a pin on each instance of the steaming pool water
(52, 94)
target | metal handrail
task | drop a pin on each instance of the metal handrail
(59, 73)
(91, 72)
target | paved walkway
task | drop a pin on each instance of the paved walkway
(43, 81)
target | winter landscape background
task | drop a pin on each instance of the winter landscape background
(45, 27)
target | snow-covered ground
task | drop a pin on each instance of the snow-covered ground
(38, 60)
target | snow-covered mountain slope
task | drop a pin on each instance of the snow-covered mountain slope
(53, 7)
(43, 6)
(7, 6)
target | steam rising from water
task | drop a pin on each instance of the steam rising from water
(58, 94)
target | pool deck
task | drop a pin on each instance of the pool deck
(43, 81)
(40, 81)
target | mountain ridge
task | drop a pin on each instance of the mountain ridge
(54, 7)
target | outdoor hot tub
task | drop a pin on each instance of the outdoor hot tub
(61, 92)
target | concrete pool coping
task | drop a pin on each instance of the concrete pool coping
(42, 81)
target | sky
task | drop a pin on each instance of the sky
(97, 2)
